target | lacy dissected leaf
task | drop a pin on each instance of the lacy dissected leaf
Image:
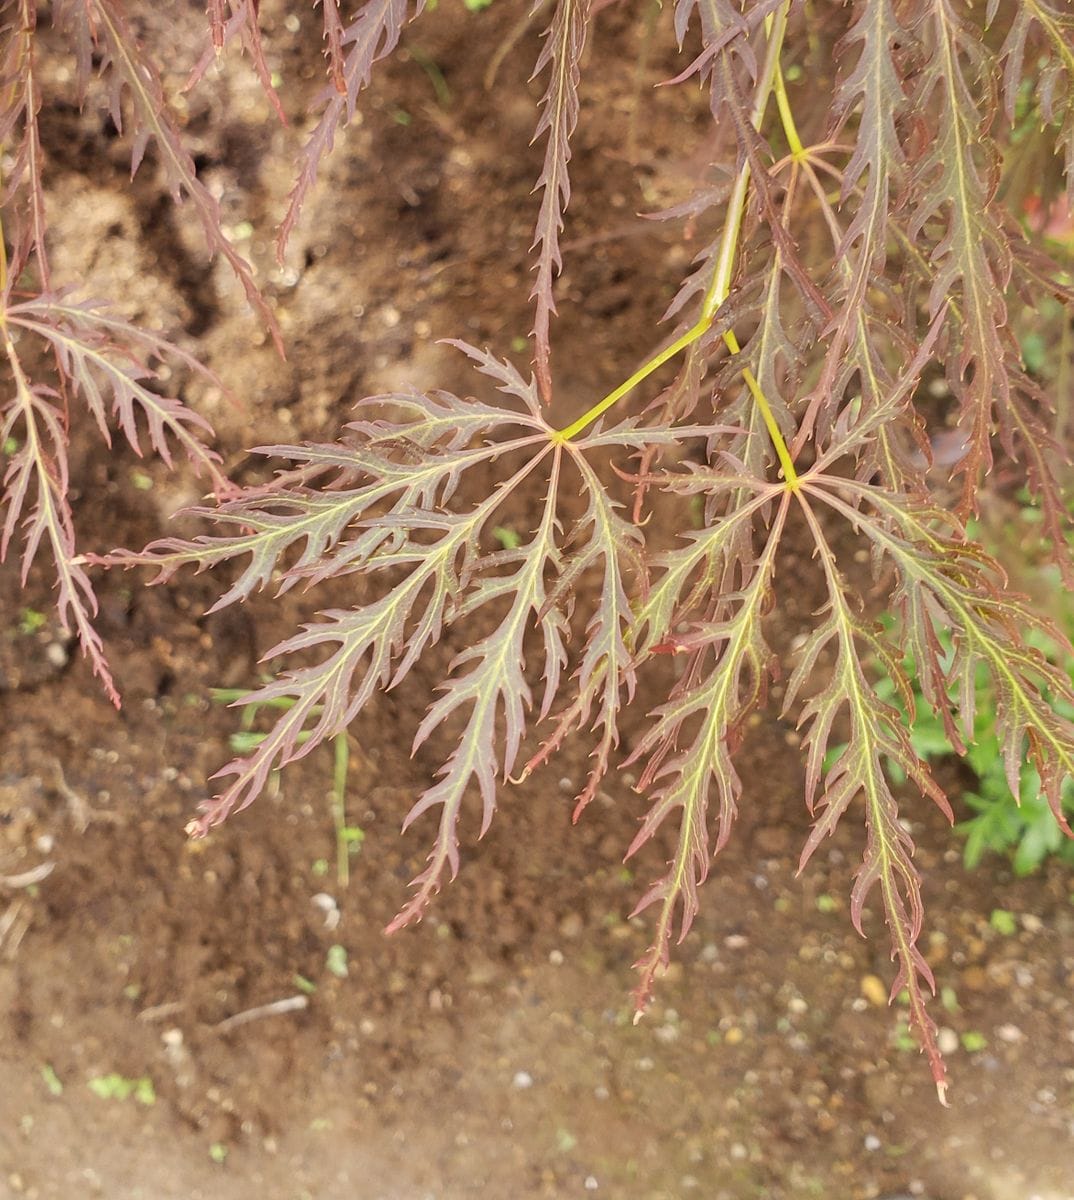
(376, 644)
(390, 506)
(875, 170)
(606, 674)
(1038, 24)
(561, 54)
(105, 361)
(770, 362)
(947, 583)
(23, 193)
(334, 35)
(876, 736)
(971, 263)
(877, 165)
(689, 746)
(879, 430)
(401, 467)
(100, 27)
(488, 684)
(217, 12)
(1026, 438)
(860, 361)
(893, 442)
(712, 279)
(242, 23)
(476, 524)
(384, 506)
(723, 26)
(692, 576)
(35, 500)
(107, 364)
(1024, 425)
(708, 201)
(371, 36)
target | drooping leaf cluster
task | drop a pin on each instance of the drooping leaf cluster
(843, 365)
(87, 357)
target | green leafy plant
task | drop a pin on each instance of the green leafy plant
(849, 249)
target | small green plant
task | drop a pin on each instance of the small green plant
(52, 1080)
(119, 1087)
(1020, 824)
(1003, 922)
(30, 621)
(336, 962)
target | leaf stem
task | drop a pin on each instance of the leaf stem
(628, 385)
(790, 475)
(720, 286)
(786, 117)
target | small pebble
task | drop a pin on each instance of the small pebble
(522, 1080)
(873, 989)
(975, 979)
(872, 1142)
(591, 1184)
(1009, 1033)
(739, 1152)
(947, 1040)
(571, 925)
(57, 655)
(327, 904)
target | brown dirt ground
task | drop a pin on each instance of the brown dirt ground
(488, 1053)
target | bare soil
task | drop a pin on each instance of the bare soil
(488, 1053)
